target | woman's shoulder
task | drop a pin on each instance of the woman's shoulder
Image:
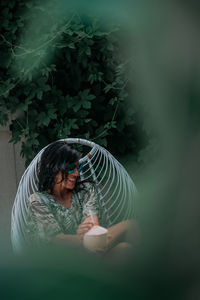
(39, 201)
(36, 197)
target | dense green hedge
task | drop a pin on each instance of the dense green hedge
(65, 76)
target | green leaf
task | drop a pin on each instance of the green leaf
(66, 77)
(92, 78)
(43, 119)
(70, 124)
(77, 106)
(39, 94)
(87, 120)
(83, 113)
(88, 51)
(108, 87)
(24, 106)
(51, 113)
(86, 104)
(46, 88)
(82, 100)
(71, 46)
(112, 101)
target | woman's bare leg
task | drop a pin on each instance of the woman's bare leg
(125, 231)
(122, 240)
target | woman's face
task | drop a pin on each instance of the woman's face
(69, 182)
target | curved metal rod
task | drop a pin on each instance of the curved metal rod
(131, 202)
(123, 197)
(113, 168)
(111, 178)
(126, 182)
(99, 172)
(91, 154)
(91, 173)
(93, 157)
(114, 191)
(111, 182)
(99, 183)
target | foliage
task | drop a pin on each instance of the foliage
(66, 78)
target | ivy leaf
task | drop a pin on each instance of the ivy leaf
(71, 46)
(92, 78)
(39, 94)
(108, 87)
(70, 124)
(83, 113)
(88, 51)
(46, 88)
(83, 99)
(33, 140)
(87, 120)
(43, 119)
(86, 104)
(51, 113)
(112, 101)
(85, 95)
(24, 106)
(110, 125)
(77, 106)
(58, 97)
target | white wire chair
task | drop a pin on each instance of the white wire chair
(116, 190)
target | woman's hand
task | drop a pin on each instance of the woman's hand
(92, 219)
(84, 227)
(87, 224)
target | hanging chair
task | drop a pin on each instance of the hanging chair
(116, 190)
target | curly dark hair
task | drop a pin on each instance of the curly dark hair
(55, 158)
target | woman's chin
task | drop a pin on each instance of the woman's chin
(69, 186)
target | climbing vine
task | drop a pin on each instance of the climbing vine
(61, 77)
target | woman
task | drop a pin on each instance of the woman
(61, 209)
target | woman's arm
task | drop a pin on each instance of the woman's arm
(73, 239)
(117, 233)
(90, 211)
(87, 224)
(93, 219)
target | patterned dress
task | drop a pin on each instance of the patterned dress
(47, 217)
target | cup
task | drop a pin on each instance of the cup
(96, 239)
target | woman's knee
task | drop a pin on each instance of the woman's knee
(123, 245)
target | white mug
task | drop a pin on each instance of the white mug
(96, 238)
